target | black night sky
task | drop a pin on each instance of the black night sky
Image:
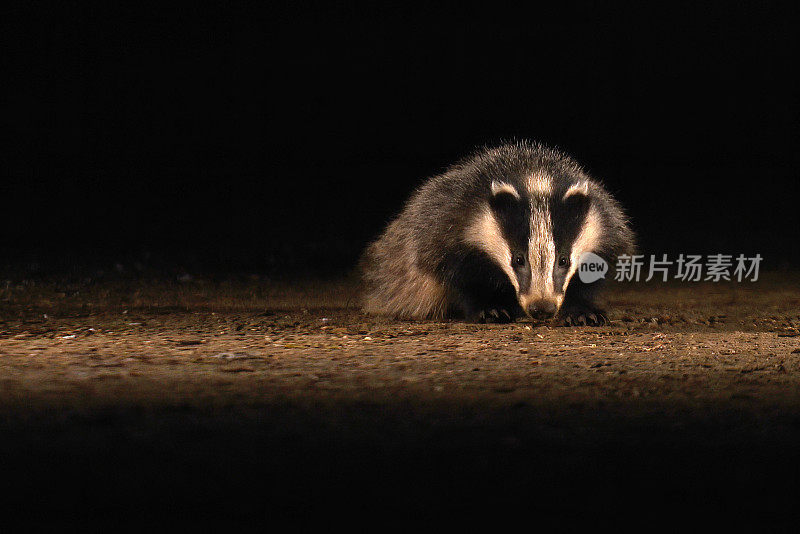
(269, 138)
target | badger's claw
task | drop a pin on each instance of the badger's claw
(581, 315)
(493, 315)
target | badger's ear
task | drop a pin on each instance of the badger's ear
(581, 188)
(503, 195)
(499, 188)
(576, 200)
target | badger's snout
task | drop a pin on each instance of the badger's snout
(542, 309)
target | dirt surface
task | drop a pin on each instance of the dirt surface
(251, 397)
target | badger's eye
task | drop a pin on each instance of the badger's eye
(519, 260)
(562, 261)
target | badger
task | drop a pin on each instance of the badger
(497, 237)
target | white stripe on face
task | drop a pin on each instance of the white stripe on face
(541, 248)
(586, 241)
(539, 184)
(486, 234)
(541, 254)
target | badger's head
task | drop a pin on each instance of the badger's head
(536, 234)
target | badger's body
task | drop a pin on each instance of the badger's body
(496, 237)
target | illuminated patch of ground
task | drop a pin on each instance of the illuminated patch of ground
(173, 393)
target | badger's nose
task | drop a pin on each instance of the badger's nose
(542, 309)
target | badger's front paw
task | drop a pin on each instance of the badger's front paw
(582, 315)
(494, 315)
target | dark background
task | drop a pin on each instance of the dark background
(266, 138)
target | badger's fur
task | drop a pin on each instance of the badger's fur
(496, 237)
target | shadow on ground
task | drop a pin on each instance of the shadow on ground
(253, 399)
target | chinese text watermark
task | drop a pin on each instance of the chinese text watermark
(687, 268)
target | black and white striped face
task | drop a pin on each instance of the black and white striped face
(536, 235)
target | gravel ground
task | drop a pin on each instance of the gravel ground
(239, 399)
